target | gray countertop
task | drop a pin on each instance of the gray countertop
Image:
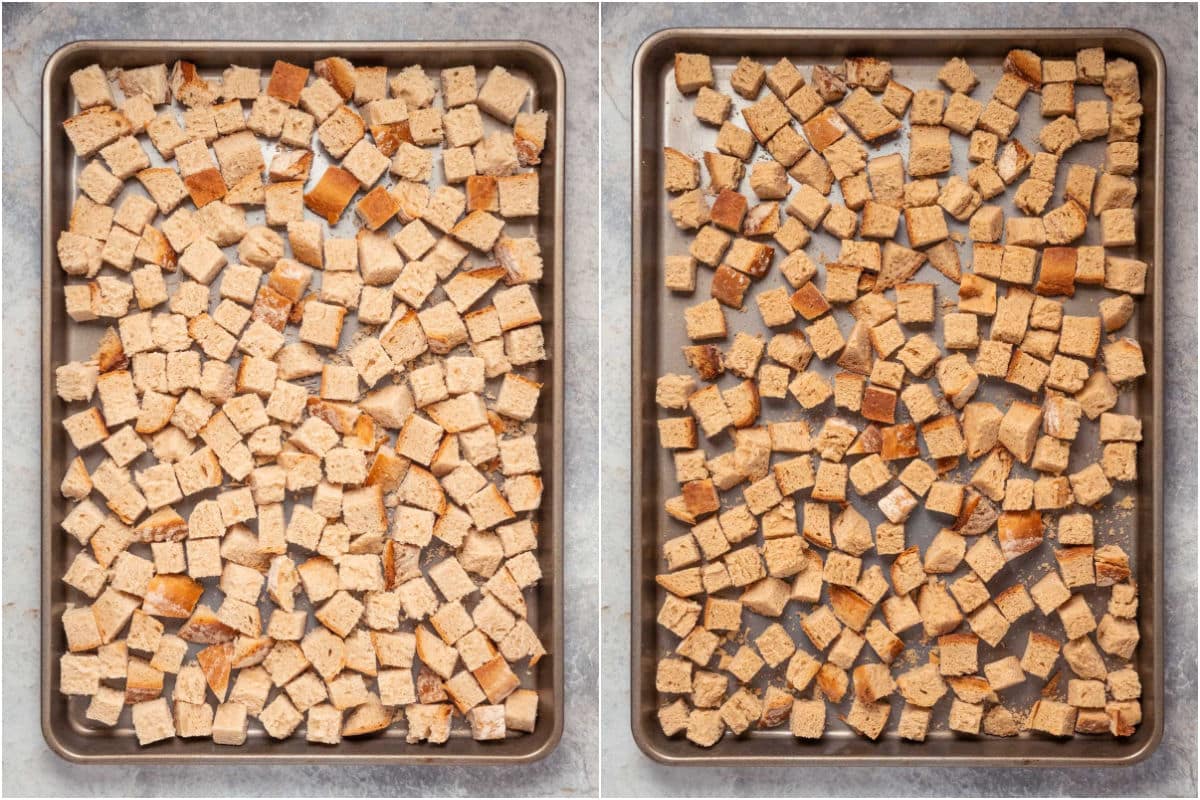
(1170, 771)
(31, 34)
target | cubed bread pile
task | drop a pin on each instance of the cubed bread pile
(305, 476)
(973, 409)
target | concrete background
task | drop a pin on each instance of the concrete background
(31, 34)
(1170, 771)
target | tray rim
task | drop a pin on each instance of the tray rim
(249, 754)
(858, 37)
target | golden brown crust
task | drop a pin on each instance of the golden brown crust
(370, 717)
(1091, 720)
(879, 404)
(706, 359)
(389, 565)
(1019, 532)
(872, 682)
(776, 707)
(808, 302)
(1026, 65)
(248, 191)
(483, 193)
(849, 606)
(1057, 276)
(868, 442)
(970, 688)
(761, 220)
(159, 249)
(189, 87)
(289, 278)
(833, 682)
(205, 186)
(271, 307)
(164, 525)
(752, 408)
(425, 644)
(216, 661)
(978, 513)
(388, 138)
(142, 682)
(529, 144)
(172, 596)
(728, 210)
(496, 679)
(700, 497)
(333, 192)
(249, 651)
(377, 207)
(110, 353)
(287, 81)
(899, 441)
(1112, 565)
(340, 416)
(825, 128)
(760, 261)
(387, 470)
(729, 286)
(204, 627)
(295, 169)
(340, 74)
(1122, 720)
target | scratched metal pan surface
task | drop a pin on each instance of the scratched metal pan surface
(663, 117)
(64, 723)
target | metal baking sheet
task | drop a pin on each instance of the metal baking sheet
(663, 117)
(64, 724)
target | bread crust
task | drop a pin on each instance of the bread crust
(333, 192)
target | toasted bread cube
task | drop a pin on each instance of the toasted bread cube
(808, 205)
(983, 147)
(768, 180)
(896, 98)
(106, 705)
(1121, 158)
(152, 721)
(712, 107)
(1124, 684)
(125, 157)
(681, 172)
(927, 107)
(807, 719)
(915, 301)
(1011, 89)
(733, 141)
(1076, 617)
(502, 95)
(813, 170)
(680, 274)
(1052, 717)
(91, 88)
(765, 117)
(929, 149)
(962, 113)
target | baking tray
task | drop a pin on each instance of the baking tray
(663, 117)
(64, 724)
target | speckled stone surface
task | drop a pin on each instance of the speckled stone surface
(1171, 770)
(31, 34)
